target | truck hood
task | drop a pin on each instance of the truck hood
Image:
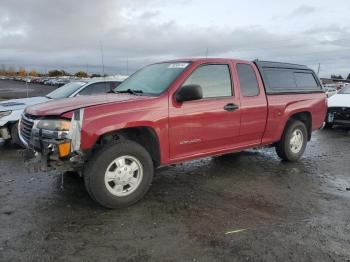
(339, 100)
(61, 106)
(20, 104)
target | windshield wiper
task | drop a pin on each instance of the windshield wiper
(130, 91)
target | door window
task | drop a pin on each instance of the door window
(215, 80)
(247, 79)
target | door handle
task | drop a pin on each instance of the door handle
(231, 107)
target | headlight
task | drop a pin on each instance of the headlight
(54, 124)
(5, 113)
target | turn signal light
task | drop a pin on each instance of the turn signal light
(64, 149)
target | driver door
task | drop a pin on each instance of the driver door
(207, 125)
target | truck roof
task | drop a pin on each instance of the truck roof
(287, 78)
(201, 59)
(278, 77)
(259, 63)
(272, 64)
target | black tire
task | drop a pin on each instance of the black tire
(94, 174)
(72, 174)
(283, 147)
(15, 140)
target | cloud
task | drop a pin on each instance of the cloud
(68, 35)
(302, 11)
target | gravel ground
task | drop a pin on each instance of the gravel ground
(248, 206)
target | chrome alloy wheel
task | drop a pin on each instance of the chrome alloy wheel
(123, 176)
(296, 141)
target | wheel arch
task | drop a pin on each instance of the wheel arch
(306, 118)
(144, 135)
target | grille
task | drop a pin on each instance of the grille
(26, 126)
(340, 112)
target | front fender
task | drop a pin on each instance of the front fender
(15, 116)
(94, 126)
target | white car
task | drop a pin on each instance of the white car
(339, 108)
(331, 91)
(11, 110)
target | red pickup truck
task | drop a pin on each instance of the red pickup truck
(171, 112)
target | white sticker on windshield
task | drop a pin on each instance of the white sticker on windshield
(178, 65)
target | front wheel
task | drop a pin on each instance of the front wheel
(293, 143)
(15, 140)
(119, 175)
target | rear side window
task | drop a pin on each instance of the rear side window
(305, 81)
(290, 80)
(247, 79)
(96, 88)
(280, 79)
(215, 80)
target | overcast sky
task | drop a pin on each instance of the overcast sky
(67, 34)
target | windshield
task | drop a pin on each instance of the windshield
(345, 90)
(153, 79)
(66, 90)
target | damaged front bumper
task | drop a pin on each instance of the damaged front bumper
(55, 150)
(50, 155)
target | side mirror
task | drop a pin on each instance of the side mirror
(189, 93)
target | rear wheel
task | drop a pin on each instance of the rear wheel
(293, 143)
(119, 175)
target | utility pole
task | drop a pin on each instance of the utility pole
(27, 86)
(318, 69)
(127, 66)
(103, 65)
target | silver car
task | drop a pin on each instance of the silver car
(11, 110)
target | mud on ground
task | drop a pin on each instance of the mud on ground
(287, 211)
